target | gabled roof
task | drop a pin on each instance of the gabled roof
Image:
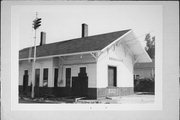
(140, 55)
(85, 44)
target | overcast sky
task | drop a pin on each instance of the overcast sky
(63, 22)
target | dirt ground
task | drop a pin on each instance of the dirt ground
(130, 99)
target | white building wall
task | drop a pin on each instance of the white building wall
(25, 65)
(102, 78)
(75, 69)
(125, 75)
(121, 58)
(91, 72)
(75, 62)
(40, 64)
(45, 63)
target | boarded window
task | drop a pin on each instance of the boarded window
(45, 77)
(112, 76)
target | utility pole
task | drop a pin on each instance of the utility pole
(36, 24)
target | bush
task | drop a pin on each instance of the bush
(144, 85)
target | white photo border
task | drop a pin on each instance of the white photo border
(15, 105)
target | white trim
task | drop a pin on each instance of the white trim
(94, 56)
(116, 41)
(70, 64)
(50, 56)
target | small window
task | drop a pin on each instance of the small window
(45, 77)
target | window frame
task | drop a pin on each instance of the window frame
(44, 78)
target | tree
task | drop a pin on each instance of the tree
(150, 45)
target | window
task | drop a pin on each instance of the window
(45, 77)
(112, 76)
(37, 77)
(25, 80)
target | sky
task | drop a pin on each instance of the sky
(63, 22)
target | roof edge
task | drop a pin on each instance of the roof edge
(69, 54)
(130, 30)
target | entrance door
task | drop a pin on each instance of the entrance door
(25, 82)
(111, 76)
(68, 81)
(68, 77)
(55, 77)
(37, 78)
(83, 79)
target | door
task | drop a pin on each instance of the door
(55, 77)
(83, 81)
(111, 76)
(25, 82)
(37, 78)
(68, 77)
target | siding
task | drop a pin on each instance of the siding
(90, 70)
(120, 57)
(73, 62)
(40, 64)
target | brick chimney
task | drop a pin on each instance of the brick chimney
(43, 38)
(84, 30)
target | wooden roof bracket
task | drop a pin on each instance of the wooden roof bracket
(94, 55)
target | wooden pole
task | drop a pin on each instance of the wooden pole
(34, 64)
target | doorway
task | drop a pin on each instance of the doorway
(68, 77)
(55, 77)
(112, 76)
